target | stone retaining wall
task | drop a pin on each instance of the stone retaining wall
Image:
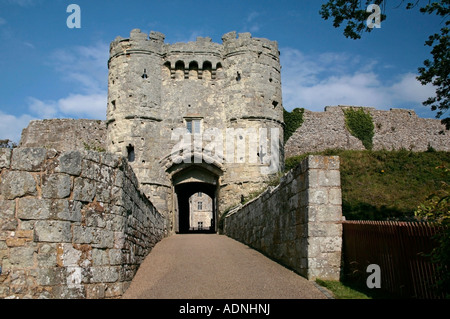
(299, 222)
(72, 225)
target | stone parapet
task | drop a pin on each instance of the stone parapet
(72, 224)
(299, 222)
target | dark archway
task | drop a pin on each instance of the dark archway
(184, 191)
(188, 179)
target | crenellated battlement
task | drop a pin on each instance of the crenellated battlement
(203, 48)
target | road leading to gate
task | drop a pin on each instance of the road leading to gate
(211, 266)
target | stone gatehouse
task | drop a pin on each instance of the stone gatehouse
(156, 89)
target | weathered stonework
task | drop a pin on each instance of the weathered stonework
(72, 225)
(65, 134)
(155, 88)
(395, 129)
(298, 222)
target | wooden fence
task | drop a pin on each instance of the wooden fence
(399, 248)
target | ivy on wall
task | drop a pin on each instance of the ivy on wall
(292, 120)
(360, 125)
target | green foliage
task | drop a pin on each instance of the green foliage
(292, 120)
(385, 185)
(435, 71)
(353, 12)
(340, 290)
(7, 144)
(96, 148)
(360, 125)
(436, 209)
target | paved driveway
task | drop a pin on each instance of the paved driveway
(211, 266)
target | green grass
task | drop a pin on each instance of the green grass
(382, 185)
(342, 290)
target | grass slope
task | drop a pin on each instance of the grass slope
(381, 185)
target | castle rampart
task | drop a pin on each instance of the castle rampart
(393, 130)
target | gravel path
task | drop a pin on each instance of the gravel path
(211, 266)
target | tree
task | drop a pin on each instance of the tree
(435, 71)
(436, 209)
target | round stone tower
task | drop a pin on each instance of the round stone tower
(252, 92)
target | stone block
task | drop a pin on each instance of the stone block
(95, 291)
(70, 163)
(22, 257)
(50, 276)
(7, 208)
(28, 159)
(64, 209)
(67, 255)
(17, 184)
(90, 170)
(7, 215)
(104, 274)
(30, 208)
(335, 196)
(53, 231)
(324, 229)
(83, 235)
(111, 160)
(84, 189)
(56, 186)
(5, 157)
(324, 213)
(99, 257)
(103, 238)
(46, 255)
(115, 256)
(317, 196)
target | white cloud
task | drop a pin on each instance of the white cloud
(86, 69)
(251, 23)
(91, 106)
(85, 66)
(11, 126)
(314, 82)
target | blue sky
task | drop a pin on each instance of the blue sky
(50, 71)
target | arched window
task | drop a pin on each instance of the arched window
(179, 70)
(193, 70)
(207, 70)
(166, 70)
(130, 153)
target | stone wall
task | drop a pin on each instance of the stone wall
(72, 224)
(297, 223)
(65, 134)
(395, 129)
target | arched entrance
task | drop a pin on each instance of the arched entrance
(189, 180)
(184, 192)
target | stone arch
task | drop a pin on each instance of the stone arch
(166, 70)
(207, 70)
(188, 179)
(179, 70)
(193, 70)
